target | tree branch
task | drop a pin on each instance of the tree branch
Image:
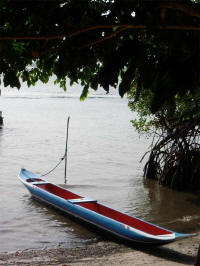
(105, 38)
(123, 26)
(54, 37)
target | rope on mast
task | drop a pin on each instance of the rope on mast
(61, 159)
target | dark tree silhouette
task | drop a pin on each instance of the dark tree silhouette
(103, 43)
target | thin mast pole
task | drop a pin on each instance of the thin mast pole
(65, 176)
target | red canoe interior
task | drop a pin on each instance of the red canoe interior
(108, 212)
(34, 180)
(58, 191)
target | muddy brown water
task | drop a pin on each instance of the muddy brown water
(103, 163)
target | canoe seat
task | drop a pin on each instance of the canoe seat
(82, 200)
(40, 183)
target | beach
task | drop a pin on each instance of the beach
(106, 252)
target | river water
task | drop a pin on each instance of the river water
(103, 163)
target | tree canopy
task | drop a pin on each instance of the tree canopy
(153, 44)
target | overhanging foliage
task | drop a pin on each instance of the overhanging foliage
(155, 44)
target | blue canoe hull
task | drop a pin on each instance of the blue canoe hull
(118, 224)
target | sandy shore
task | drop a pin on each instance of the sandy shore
(103, 253)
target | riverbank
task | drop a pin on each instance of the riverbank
(182, 252)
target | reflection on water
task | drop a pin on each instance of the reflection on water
(174, 209)
(104, 154)
(61, 223)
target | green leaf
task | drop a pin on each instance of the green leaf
(84, 93)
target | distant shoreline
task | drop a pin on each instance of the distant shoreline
(182, 252)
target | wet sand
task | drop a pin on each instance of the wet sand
(182, 252)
